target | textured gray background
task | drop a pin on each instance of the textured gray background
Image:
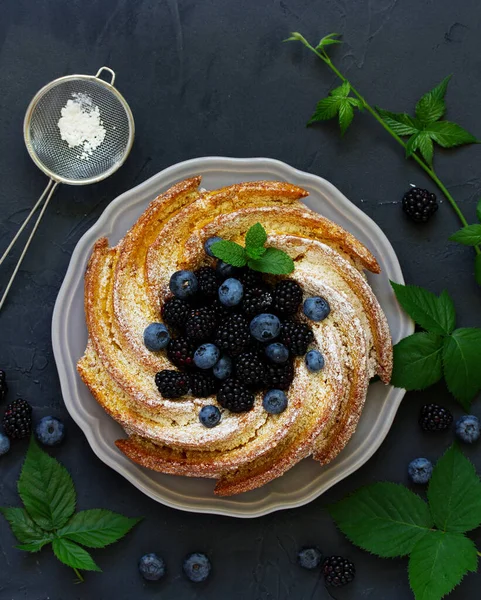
(210, 77)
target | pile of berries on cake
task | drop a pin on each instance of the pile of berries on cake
(231, 333)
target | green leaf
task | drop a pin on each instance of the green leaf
(25, 529)
(327, 108)
(425, 145)
(46, 489)
(346, 114)
(448, 134)
(438, 563)
(273, 261)
(400, 123)
(469, 235)
(412, 145)
(431, 106)
(436, 315)
(355, 102)
(462, 366)
(96, 528)
(33, 546)
(477, 268)
(73, 555)
(297, 37)
(454, 493)
(229, 252)
(417, 361)
(478, 211)
(342, 91)
(386, 519)
(255, 253)
(328, 40)
(256, 237)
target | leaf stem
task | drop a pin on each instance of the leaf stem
(79, 575)
(426, 168)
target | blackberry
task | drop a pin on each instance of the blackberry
(420, 205)
(175, 312)
(181, 353)
(3, 385)
(172, 384)
(279, 376)
(203, 385)
(235, 397)
(249, 369)
(296, 336)
(249, 278)
(338, 571)
(221, 310)
(233, 334)
(435, 418)
(287, 297)
(17, 420)
(209, 281)
(257, 299)
(201, 324)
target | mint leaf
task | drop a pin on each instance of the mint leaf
(229, 252)
(273, 261)
(342, 91)
(448, 134)
(96, 528)
(73, 555)
(346, 115)
(256, 237)
(46, 489)
(477, 268)
(469, 235)
(436, 315)
(386, 519)
(328, 40)
(438, 563)
(425, 145)
(454, 493)
(431, 106)
(461, 359)
(417, 361)
(478, 211)
(400, 123)
(24, 528)
(327, 108)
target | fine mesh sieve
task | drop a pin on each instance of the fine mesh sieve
(54, 156)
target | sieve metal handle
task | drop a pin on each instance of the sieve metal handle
(109, 70)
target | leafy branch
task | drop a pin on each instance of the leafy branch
(422, 130)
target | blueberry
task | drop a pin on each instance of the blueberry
(467, 428)
(208, 243)
(209, 416)
(420, 470)
(206, 356)
(265, 327)
(222, 368)
(156, 337)
(50, 431)
(316, 308)
(183, 284)
(314, 361)
(196, 567)
(152, 567)
(309, 558)
(225, 269)
(231, 292)
(275, 402)
(277, 352)
(4, 444)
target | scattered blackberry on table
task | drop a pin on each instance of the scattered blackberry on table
(249, 369)
(175, 312)
(420, 470)
(338, 571)
(201, 324)
(208, 281)
(50, 431)
(309, 558)
(467, 429)
(233, 334)
(279, 376)
(180, 352)
(152, 567)
(203, 385)
(17, 420)
(435, 418)
(419, 204)
(257, 299)
(196, 567)
(3, 385)
(172, 384)
(210, 416)
(287, 296)
(296, 336)
(4, 444)
(235, 397)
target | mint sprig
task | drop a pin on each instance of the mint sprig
(255, 254)
(423, 358)
(49, 517)
(388, 520)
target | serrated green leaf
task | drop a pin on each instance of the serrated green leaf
(255, 253)
(33, 546)
(412, 145)
(355, 102)
(461, 361)
(24, 528)
(478, 211)
(274, 261)
(46, 489)
(469, 235)
(477, 268)
(327, 108)
(417, 361)
(73, 555)
(454, 493)
(96, 528)
(229, 252)
(256, 237)
(425, 146)
(346, 114)
(431, 106)
(436, 315)
(342, 91)
(400, 123)
(448, 134)
(438, 563)
(386, 519)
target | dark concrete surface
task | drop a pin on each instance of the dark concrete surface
(208, 77)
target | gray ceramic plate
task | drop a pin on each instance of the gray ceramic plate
(305, 481)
